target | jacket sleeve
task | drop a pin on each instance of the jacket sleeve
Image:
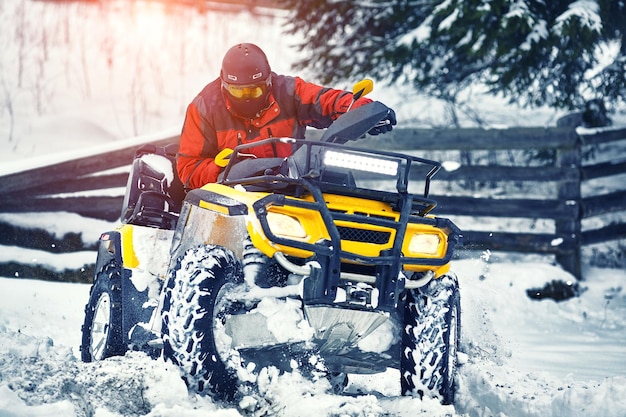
(195, 158)
(320, 106)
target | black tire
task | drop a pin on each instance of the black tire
(192, 303)
(102, 330)
(430, 340)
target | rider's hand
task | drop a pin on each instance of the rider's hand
(223, 157)
(385, 125)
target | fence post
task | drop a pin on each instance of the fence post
(569, 192)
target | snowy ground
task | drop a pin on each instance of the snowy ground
(65, 87)
(520, 357)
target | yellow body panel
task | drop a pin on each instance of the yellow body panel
(145, 248)
(312, 223)
(129, 257)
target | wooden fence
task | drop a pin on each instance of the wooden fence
(563, 152)
(486, 157)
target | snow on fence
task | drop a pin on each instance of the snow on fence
(546, 178)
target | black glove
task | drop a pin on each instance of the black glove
(385, 125)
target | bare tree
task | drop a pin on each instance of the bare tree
(7, 100)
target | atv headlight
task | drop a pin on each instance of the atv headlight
(360, 162)
(285, 226)
(424, 243)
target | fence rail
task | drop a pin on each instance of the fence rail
(58, 187)
(567, 206)
(54, 187)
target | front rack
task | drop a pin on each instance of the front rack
(308, 161)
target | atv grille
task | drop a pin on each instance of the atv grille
(364, 236)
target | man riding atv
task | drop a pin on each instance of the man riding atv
(247, 103)
(302, 255)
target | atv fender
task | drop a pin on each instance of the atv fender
(109, 249)
(137, 304)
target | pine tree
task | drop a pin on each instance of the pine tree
(535, 52)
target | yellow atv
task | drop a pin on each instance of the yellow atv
(327, 261)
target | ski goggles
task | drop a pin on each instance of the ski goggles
(247, 92)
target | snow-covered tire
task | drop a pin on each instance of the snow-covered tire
(191, 303)
(430, 340)
(102, 330)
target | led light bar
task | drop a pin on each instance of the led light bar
(360, 163)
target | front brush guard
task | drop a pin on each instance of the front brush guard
(324, 280)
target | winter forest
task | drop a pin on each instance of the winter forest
(77, 76)
(135, 64)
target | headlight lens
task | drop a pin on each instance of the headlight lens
(424, 243)
(285, 226)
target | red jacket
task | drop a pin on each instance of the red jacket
(210, 127)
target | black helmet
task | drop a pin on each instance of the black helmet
(246, 79)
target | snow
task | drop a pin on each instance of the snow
(160, 164)
(519, 357)
(586, 11)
